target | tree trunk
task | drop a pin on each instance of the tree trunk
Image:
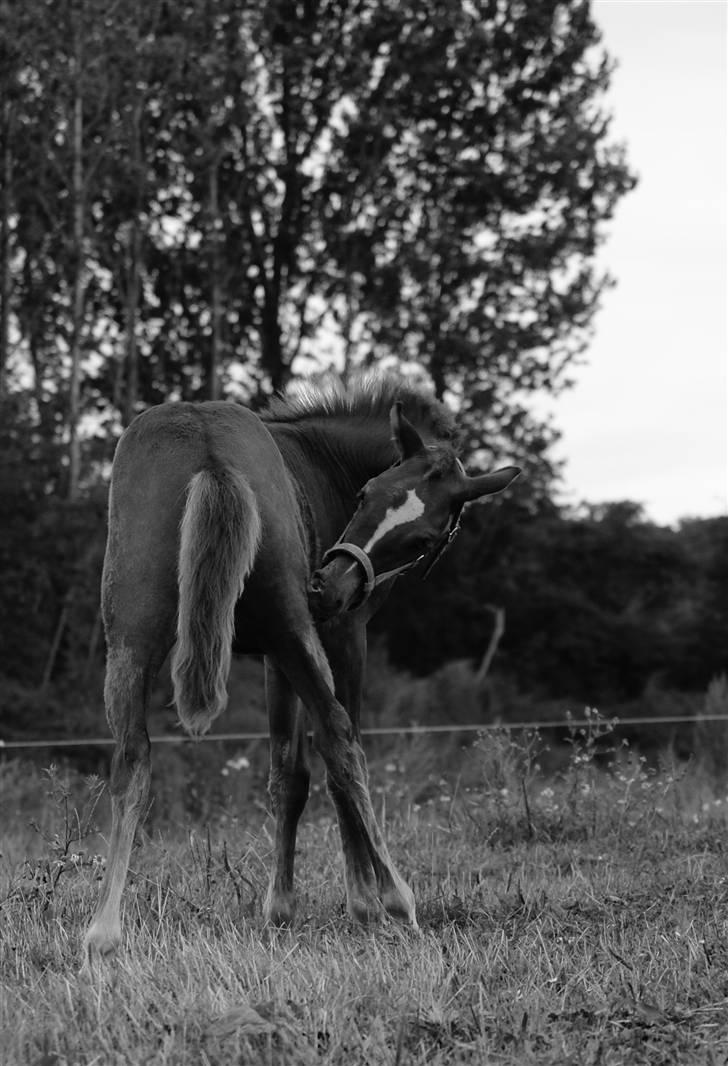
(132, 309)
(5, 278)
(78, 282)
(499, 628)
(133, 252)
(272, 348)
(56, 643)
(215, 238)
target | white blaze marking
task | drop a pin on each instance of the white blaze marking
(406, 512)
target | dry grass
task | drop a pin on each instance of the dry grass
(579, 918)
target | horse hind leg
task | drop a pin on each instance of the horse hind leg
(288, 788)
(365, 849)
(346, 653)
(373, 883)
(125, 692)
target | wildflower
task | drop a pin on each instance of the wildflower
(238, 763)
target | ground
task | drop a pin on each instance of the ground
(569, 913)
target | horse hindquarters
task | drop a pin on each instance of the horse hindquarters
(155, 465)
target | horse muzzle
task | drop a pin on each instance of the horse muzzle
(340, 585)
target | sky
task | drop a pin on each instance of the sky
(647, 419)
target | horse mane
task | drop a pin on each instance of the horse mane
(365, 395)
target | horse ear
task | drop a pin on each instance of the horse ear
(407, 440)
(488, 484)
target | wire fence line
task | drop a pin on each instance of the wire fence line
(381, 731)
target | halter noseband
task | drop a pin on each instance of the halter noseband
(371, 580)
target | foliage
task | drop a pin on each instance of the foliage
(50, 556)
(711, 725)
(596, 602)
(600, 602)
(224, 196)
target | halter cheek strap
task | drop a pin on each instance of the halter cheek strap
(445, 540)
(371, 579)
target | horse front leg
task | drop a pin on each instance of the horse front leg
(288, 788)
(373, 883)
(125, 689)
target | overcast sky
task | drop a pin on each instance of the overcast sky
(648, 417)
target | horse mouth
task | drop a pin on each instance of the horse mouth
(335, 589)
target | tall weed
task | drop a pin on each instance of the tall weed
(66, 830)
(603, 790)
(711, 730)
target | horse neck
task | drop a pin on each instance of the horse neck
(330, 460)
(355, 449)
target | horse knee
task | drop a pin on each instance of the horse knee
(346, 767)
(131, 762)
(288, 788)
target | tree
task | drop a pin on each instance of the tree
(442, 177)
(226, 192)
(599, 603)
(58, 92)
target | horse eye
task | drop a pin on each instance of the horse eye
(418, 538)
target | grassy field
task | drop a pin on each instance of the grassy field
(571, 912)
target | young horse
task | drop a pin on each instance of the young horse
(217, 519)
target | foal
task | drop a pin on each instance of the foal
(217, 520)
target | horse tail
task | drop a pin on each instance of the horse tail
(219, 538)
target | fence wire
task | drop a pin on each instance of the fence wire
(380, 731)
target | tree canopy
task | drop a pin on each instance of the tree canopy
(204, 199)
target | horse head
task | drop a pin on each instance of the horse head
(407, 514)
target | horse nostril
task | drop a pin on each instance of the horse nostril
(316, 584)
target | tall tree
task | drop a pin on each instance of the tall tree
(469, 188)
(6, 212)
(227, 193)
(427, 187)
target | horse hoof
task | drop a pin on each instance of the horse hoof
(399, 903)
(365, 909)
(98, 943)
(279, 909)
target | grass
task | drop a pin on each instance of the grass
(574, 916)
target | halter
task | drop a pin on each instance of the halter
(371, 580)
